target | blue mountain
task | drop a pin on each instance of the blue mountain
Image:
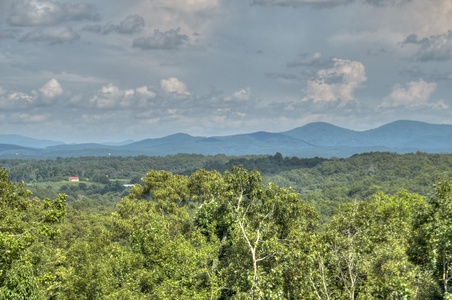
(314, 139)
(19, 140)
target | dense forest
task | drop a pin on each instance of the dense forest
(372, 226)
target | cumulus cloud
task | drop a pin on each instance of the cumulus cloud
(107, 96)
(130, 25)
(21, 97)
(145, 92)
(416, 94)
(112, 97)
(48, 12)
(433, 48)
(52, 35)
(170, 39)
(51, 89)
(174, 85)
(337, 83)
(15, 100)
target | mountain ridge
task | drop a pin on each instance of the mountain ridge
(314, 139)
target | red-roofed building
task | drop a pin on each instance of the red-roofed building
(73, 178)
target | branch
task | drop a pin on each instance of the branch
(28, 230)
(240, 200)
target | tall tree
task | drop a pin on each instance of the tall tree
(260, 228)
(368, 250)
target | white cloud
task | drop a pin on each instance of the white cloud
(108, 97)
(429, 18)
(337, 83)
(51, 89)
(417, 93)
(18, 96)
(145, 92)
(112, 97)
(110, 90)
(14, 100)
(174, 85)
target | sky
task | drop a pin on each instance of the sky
(113, 70)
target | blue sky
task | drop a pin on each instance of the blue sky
(109, 70)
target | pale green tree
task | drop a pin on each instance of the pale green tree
(369, 250)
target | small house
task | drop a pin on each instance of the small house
(73, 178)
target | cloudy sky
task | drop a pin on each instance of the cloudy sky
(110, 70)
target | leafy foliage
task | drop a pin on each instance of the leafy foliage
(372, 226)
(24, 223)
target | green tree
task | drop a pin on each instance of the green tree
(259, 229)
(177, 258)
(432, 249)
(367, 250)
(23, 223)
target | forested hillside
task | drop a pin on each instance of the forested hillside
(324, 183)
(372, 226)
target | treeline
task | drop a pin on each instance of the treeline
(324, 183)
(90, 168)
(416, 171)
(212, 235)
(93, 168)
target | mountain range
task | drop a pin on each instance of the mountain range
(315, 139)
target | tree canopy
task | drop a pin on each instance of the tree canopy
(233, 234)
